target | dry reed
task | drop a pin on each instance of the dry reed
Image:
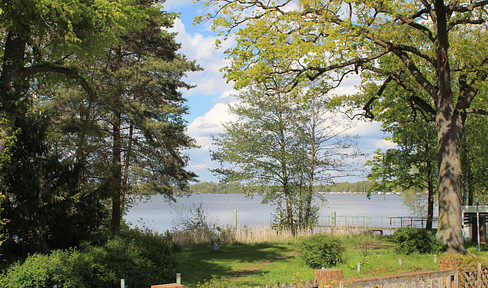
(249, 235)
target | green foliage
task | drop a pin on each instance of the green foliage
(426, 64)
(142, 259)
(59, 157)
(412, 240)
(234, 188)
(284, 142)
(44, 204)
(214, 283)
(322, 251)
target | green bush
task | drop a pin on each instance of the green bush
(321, 251)
(412, 240)
(214, 283)
(142, 259)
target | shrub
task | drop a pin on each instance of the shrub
(321, 251)
(142, 259)
(214, 283)
(412, 240)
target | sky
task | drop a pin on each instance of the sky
(208, 100)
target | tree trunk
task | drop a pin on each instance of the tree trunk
(116, 175)
(117, 154)
(430, 188)
(289, 209)
(313, 152)
(10, 89)
(449, 131)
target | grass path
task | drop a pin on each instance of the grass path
(257, 266)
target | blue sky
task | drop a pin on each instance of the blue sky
(208, 100)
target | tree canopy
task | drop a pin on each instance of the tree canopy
(90, 110)
(327, 40)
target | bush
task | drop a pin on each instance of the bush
(214, 283)
(411, 240)
(142, 259)
(321, 251)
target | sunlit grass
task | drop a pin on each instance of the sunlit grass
(248, 264)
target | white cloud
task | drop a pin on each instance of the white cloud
(202, 48)
(365, 128)
(384, 144)
(210, 124)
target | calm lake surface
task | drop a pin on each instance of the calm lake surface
(159, 215)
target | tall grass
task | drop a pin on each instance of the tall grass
(246, 235)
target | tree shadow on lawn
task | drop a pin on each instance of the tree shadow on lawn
(198, 262)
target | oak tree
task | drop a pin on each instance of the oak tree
(328, 39)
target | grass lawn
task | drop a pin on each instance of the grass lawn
(243, 265)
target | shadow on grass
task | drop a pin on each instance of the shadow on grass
(198, 262)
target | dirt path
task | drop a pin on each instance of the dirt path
(257, 266)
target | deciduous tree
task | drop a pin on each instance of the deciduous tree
(282, 146)
(328, 39)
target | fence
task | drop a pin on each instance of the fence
(376, 221)
(477, 278)
(380, 223)
(309, 284)
(440, 279)
(334, 278)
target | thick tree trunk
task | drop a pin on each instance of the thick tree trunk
(450, 218)
(13, 63)
(449, 131)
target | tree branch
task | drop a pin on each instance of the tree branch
(367, 106)
(417, 74)
(469, 7)
(477, 111)
(68, 71)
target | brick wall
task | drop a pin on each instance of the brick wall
(328, 276)
(448, 264)
(168, 286)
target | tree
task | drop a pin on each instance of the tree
(283, 145)
(141, 109)
(53, 148)
(410, 166)
(329, 39)
(474, 161)
(40, 37)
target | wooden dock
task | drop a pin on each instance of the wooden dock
(356, 228)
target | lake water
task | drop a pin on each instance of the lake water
(159, 215)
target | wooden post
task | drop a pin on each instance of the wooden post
(478, 276)
(235, 220)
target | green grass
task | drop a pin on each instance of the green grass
(198, 262)
(243, 265)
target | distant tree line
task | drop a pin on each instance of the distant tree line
(234, 188)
